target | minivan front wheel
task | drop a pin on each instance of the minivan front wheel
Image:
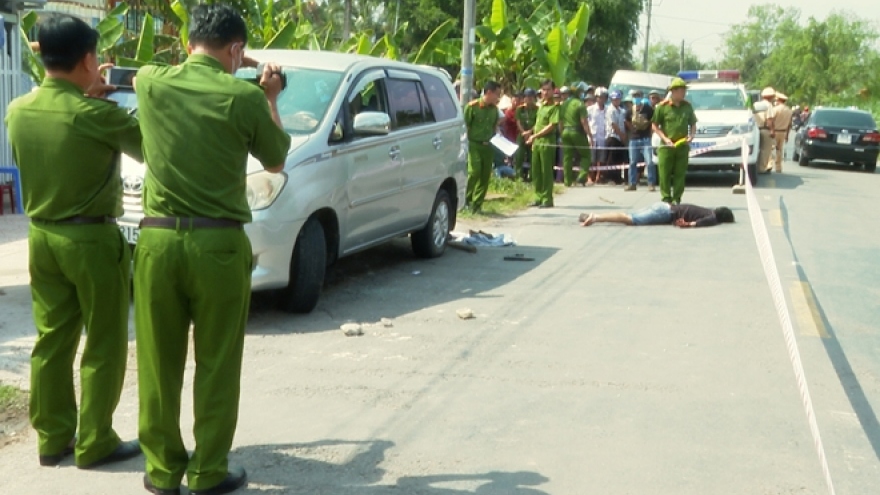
(307, 269)
(430, 241)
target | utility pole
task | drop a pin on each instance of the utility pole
(467, 52)
(681, 57)
(650, 3)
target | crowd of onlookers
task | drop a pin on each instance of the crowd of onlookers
(619, 134)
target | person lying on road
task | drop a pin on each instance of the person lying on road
(683, 216)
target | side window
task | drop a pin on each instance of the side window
(441, 103)
(367, 96)
(406, 103)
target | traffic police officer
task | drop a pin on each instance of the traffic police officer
(575, 129)
(543, 142)
(193, 259)
(525, 122)
(481, 117)
(675, 122)
(781, 115)
(67, 147)
(764, 118)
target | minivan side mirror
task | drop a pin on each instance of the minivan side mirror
(372, 124)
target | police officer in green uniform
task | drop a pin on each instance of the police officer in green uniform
(675, 123)
(67, 146)
(481, 117)
(575, 129)
(193, 259)
(525, 123)
(543, 142)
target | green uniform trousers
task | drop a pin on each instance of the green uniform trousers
(575, 143)
(480, 164)
(79, 278)
(523, 154)
(543, 161)
(181, 276)
(672, 166)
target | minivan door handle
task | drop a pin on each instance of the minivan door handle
(438, 141)
(394, 153)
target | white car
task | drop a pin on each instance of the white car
(724, 117)
(378, 151)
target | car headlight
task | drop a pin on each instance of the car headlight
(263, 188)
(739, 130)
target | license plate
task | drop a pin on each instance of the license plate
(130, 232)
(844, 139)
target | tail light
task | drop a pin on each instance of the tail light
(871, 137)
(816, 133)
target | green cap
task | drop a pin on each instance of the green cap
(678, 83)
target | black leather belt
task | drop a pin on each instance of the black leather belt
(77, 220)
(189, 223)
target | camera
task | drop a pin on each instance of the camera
(121, 77)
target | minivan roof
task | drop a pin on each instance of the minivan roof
(633, 77)
(333, 61)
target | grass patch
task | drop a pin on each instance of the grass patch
(12, 398)
(506, 197)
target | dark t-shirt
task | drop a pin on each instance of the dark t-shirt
(693, 213)
(640, 122)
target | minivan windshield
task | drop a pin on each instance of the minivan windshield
(716, 99)
(843, 118)
(625, 89)
(303, 105)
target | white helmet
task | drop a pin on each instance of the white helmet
(601, 90)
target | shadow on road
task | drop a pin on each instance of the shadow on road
(848, 380)
(389, 281)
(841, 167)
(343, 467)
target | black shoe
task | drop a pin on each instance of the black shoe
(55, 459)
(235, 479)
(122, 452)
(159, 491)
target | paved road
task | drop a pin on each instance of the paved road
(621, 361)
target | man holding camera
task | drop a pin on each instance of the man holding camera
(193, 259)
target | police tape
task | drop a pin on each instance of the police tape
(768, 261)
(697, 148)
(700, 149)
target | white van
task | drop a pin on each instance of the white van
(628, 80)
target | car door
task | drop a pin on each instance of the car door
(373, 168)
(421, 144)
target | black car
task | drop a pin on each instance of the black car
(844, 135)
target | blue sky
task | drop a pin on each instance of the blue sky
(703, 23)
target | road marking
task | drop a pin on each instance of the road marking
(775, 217)
(807, 311)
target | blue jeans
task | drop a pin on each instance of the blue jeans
(640, 149)
(656, 214)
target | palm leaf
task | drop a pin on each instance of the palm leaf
(145, 44)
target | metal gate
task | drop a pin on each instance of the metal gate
(13, 81)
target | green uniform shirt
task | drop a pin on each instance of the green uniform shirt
(572, 111)
(674, 120)
(481, 120)
(526, 116)
(67, 148)
(199, 125)
(547, 114)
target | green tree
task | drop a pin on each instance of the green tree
(830, 61)
(665, 58)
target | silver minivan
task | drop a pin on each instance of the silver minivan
(378, 151)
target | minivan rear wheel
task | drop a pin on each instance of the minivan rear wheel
(307, 269)
(430, 241)
(871, 166)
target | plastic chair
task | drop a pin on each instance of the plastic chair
(13, 189)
